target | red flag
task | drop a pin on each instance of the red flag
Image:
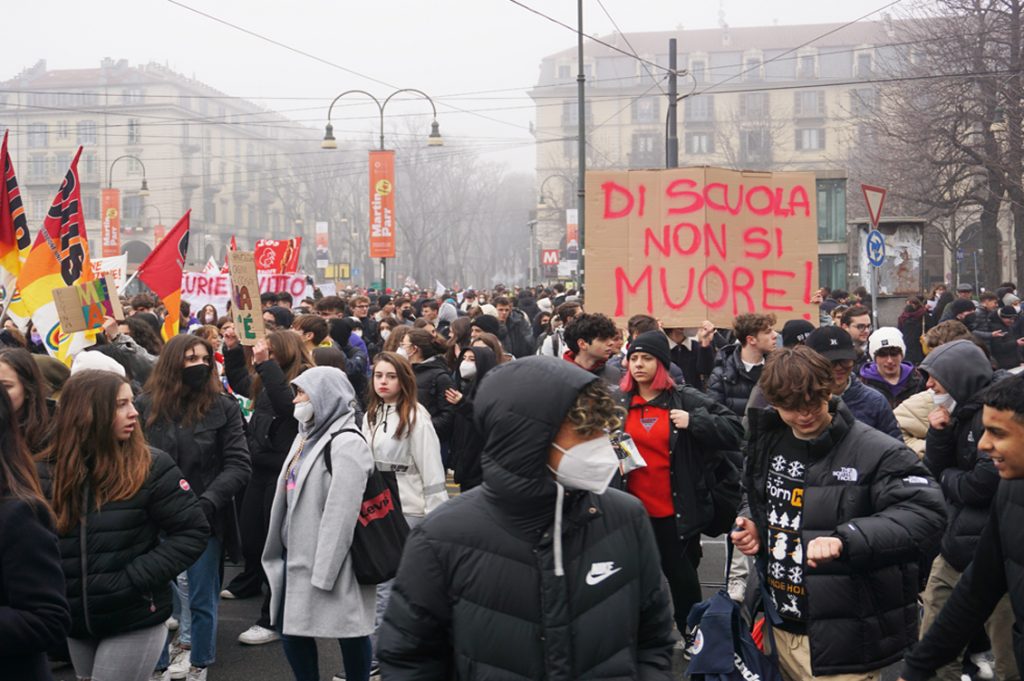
(278, 257)
(15, 239)
(161, 272)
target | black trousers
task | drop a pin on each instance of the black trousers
(254, 523)
(679, 562)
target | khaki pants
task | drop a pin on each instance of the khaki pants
(999, 626)
(795, 660)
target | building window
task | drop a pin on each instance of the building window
(646, 150)
(862, 101)
(832, 211)
(62, 130)
(864, 64)
(755, 145)
(832, 271)
(752, 69)
(131, 96)
(564, 72)
(570, 114)
(809, 104)
(699, 67)
(86, 132)
(810, 139)
(90, 164)
(699, 143)
(37, 133)
(131, 207)
(866, 135)
(39, 209)
(807, 67)
(132, 167)
(645, 110)
(37, 166)
(754, 105)
(134, 134)
(700, 109)
(61, 162)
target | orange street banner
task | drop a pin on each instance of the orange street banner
(382, 204)
(110, 234)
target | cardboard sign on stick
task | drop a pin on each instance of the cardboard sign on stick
(246, 311)
(83, 307)
(690, 244)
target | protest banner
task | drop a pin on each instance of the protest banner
(115, 267)
(83, 307)
(690, 244)
(214, 288)
(246, 311)
(277, 257)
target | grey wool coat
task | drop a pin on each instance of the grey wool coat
(318, 520)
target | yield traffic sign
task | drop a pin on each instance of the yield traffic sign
(875, 197)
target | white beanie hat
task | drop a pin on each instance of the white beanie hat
(886, 337)
(95, 360)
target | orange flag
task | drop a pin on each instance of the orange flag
(161, 272)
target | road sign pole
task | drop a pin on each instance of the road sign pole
(874, 297)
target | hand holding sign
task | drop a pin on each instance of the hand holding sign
(245, 297)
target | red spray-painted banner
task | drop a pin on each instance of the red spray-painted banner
(690, 244)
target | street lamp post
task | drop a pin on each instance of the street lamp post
(532, 224)
(433, 140)
(144, 189)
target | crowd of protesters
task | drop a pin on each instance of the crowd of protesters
(866, 472)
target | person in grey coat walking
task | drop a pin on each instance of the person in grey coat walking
(314, 592)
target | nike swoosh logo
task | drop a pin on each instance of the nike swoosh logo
(593, 580)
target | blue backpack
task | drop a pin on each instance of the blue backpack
(723, 649)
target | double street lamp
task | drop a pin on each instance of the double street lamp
(144, 189)
(433, 140)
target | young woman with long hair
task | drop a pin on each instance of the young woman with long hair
(426, 354)
(272, 429)
(185, 412)
(128, 523)
(36, 614)
(316, 507)
(467, 440)
(21, 378)
(682, 434)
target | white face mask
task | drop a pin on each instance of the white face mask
(403, 352)
(303, 412)
(467, 370)
(588, 466)
(944, 400)
(358, 332)
(384, 334)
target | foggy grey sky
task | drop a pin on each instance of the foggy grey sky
(444, 47)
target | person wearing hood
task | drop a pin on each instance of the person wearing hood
(467, 441)
(185, 412)
(572, 562)
(738, 366)
(958, 373)
(887, 372)
(357, 362)
(866, 404)
(682, 435)
(840, 515)
(314, 592)
(447, 314)
(1006, 346)
(432, 379)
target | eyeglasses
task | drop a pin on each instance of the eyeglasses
(364, 305)
(860, 327)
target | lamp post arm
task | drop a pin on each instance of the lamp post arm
(396, 92)
(380, 108)
(110, 170)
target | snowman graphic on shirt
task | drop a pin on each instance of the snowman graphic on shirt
(779, 550)
(798, 552)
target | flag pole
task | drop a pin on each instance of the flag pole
(124, 286)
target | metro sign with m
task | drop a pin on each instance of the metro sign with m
(549, 257)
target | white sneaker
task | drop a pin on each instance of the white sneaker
(985, 662)
(227, 595)
(180, 663)
(172, 624)
(257, 636)
(197, 674)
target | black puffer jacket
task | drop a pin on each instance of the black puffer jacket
(272, 427)
(467, 440)
(432, 380)
(212, 454)
(873, 493)
(968, 481)
(605, 618)
(133, 549)
(730, 383)
(696, 453)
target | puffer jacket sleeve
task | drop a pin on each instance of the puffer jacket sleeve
(425, 450)
(276, 387)
(654, 638)
(886, 420)
(444, 417)
(716, 384)
(415, 636)
(712, 424)
(175, 510)
(940, 449)
(35, 614)
(236, 466)
(236, 370)
(705, 361)
(909, 519)
(974, 487)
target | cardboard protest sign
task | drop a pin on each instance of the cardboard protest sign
(690, 244)
(83, 307)
(246, 311)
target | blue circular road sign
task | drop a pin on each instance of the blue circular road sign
(876, 248)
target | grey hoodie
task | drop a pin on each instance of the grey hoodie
(332, 397)
(960, 366)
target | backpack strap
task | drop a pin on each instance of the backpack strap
(327, 458)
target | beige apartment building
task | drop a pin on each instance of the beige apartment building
(754, 99)
(224, 157)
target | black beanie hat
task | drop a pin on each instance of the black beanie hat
(654, 343)
(961, 305)
(487, 323)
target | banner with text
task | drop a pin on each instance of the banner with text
(214, 288)
(690, 244)
(110, 230)
(277, 257)
(382, 204)
(323, 245)
(115, 267)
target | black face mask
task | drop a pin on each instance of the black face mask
(195, 377)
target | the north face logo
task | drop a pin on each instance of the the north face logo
(846, 474)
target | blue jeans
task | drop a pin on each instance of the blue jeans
(179, 589)
(203, 598)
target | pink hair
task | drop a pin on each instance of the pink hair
(662, 380)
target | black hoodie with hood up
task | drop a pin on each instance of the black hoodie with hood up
(477, 594)
(467, 441)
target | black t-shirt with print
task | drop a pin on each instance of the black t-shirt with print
(786, 563)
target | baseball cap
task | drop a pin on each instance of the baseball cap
(886, 337)
(796, 331)
(832, 343)
(965, 287)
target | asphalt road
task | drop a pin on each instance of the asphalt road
(236, 662)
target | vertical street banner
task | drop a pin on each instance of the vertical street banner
(382, 204)
(277, 257)
(246, 310)
(159, 232)
(323, 245)
(690, 244)
(572, 234)
(110, 231)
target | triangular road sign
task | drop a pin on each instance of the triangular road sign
(875, 197)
